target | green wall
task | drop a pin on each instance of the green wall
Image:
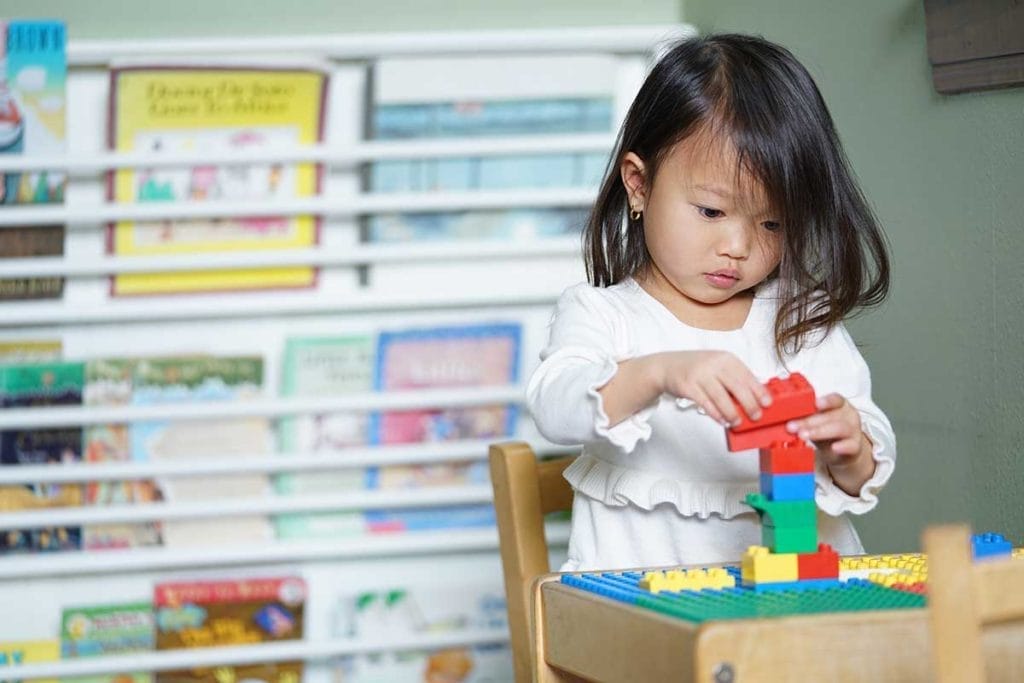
(946, 176)
(121, 18)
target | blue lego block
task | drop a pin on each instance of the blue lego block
(802, 585)
(787, 486)
(990, 545)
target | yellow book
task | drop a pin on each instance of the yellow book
(189, 108)
(18, 653)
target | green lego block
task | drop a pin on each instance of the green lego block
(803, 539)
(784, 514)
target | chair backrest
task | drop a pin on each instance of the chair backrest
(964, 596)
(524, 491)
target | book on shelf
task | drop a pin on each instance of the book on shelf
(181, 108)
(324, 366)
(487, 98)
(471, 355)
(466, 355)
(199, 379)
(24, 652)
(101, 630)
(404, 611)
(31, 386)
(217, 613)
(16, 351)
(109, 382)
(33, 73)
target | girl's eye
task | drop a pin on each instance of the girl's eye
(709, 213)
(771, 226)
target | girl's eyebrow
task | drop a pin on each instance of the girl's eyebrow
(715, 189)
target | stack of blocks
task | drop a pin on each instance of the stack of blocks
(790, 556)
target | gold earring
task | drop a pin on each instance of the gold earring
(634, 215)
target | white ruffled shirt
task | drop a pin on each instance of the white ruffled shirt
(670, 454)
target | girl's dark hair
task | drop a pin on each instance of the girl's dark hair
(762, 99)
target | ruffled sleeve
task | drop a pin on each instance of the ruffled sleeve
(588, 338)
(838, 367)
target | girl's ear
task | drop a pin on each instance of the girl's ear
(634, 178)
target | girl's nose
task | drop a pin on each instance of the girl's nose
(735, 242)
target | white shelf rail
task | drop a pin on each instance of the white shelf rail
(32, 314)
(36, 418)
(213, 464)
(349, 256)
(249, 654)
(109, 562)
(91, 165)
(240, 507)
(87, 215)
(365, 46)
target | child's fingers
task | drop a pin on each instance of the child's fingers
(746, 396)
(846, 446)
(831, 430)
(830, 402)
(722, 400)
(700, 397)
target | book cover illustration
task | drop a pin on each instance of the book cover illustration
(95, 631)
(474, 355)
(30, 351)
(405, 611)
(169, 109)
(222, 613)
(324, 366)
(409, 106)
(108, 382)
(37, 385)
(18, 653)
(447, 356)
(161, 381)
(33, 73)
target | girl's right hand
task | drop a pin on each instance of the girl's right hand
(712, 379)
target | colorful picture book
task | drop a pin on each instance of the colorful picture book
(454, 356)
(33, 73)
(223, 613)
(408, 105)
(30, 351)
(110, 382)
(24, 386)
(439, 609)
(324, 366)
(95, 631)
(200, 379)
(182, 108)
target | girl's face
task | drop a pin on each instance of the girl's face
(709, 230)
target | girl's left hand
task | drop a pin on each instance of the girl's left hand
(836, 431)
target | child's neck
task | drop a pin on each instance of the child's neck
(721, 317)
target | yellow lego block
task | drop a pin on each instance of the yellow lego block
(760, 565)
(714, 578)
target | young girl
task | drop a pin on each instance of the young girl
(728, 242)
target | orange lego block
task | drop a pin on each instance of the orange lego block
(791, 457)
(792, 398)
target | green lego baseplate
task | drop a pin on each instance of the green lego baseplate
(853, 595)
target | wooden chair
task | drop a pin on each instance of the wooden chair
(963, 596)
(524, 491)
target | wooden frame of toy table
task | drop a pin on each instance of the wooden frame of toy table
(583, 635)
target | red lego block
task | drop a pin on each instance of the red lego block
(823, 564)
(792, 398)
(758, 438)
(791, 457)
